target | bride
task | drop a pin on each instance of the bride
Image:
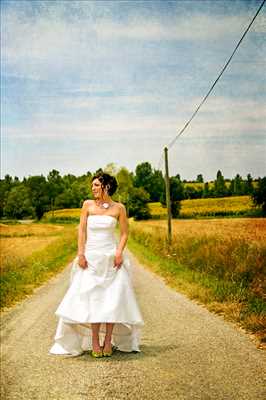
(99, 311)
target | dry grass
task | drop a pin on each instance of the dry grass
(17, 247)
(221, 262)
(20, 230)
(233, 204)
(20, 241)
(32, 253)
(250, 229)
(68, 213)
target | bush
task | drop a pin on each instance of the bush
(259, 194)
(138, 204)
(175, 208)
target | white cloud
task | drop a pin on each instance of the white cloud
(222, 117)
(37, 47)
(102, 129)
(194, 28)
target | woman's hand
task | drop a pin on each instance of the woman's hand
(118, 260)
(83, 263)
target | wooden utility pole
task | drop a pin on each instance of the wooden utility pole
(168, 200)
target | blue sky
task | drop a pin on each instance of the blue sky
(86, 83)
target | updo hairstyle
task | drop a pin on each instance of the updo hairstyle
(108, 182)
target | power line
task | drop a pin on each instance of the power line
(213, 85)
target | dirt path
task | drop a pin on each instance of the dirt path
(187, 352)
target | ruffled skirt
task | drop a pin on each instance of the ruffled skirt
(99, 293)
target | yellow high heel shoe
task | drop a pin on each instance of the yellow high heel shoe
(97, 354)
(108, 353)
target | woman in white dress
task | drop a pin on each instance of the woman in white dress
(99, 311)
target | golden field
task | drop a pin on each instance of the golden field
(220, 262)
(252, 230)
(234, 205)
(192, 208)
(20, 241)
(65, 213)
(29, 229)
(31, 254)
(224, 247)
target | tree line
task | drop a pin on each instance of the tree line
(31, 197)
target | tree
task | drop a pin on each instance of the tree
(68, 180)
(199, 178)
(190, 192)
(157, 186)
(219, 185)
(143, 176)
(81, 190)
(98, 171)
(176, 195)
(248, 185)
(137, 204)
(39, 194)
(125, 184)
(259, 194)
(206, 190)
(18, 204)
(176, 191)
(6, 185)
(238, 185)
(151, 180)
(55, 184)
(65, 199)
(175, 208)
(111, 169)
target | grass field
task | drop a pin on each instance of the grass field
(194, 208)
(220, 262)
(212, 207)
(31, 254)
(64, 215)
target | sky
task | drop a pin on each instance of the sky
(87, 83)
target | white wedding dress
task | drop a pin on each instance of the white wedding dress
(99, 293)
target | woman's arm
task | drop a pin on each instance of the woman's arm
(123, 222)
(124, 230)
(82, 234)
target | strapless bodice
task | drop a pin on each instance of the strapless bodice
(100, 232)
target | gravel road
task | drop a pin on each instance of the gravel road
(187, 352)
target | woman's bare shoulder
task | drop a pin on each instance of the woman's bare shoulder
(121, 209)
(87, 203)
(119, 205)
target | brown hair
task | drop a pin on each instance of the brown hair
(108, 182)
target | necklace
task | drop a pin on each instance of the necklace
(103, 204)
